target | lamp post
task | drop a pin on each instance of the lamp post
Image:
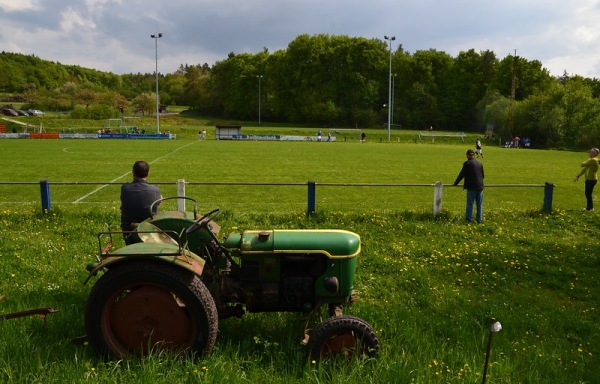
(393, 89)
(156, 37)
(390, 39)
(259, 77)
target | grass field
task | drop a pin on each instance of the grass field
(109, 161)
(428, 286)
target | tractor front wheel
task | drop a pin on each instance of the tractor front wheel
(342, 336)
(141, 306)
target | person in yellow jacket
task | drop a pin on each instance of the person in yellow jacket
(590, 170)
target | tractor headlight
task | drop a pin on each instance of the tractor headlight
(332, 284)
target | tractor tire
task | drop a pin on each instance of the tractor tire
(142, 306)
(342, 336)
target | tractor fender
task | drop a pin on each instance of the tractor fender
(165, 253)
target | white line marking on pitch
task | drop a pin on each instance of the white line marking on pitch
(129, 173)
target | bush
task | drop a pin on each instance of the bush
(95, 112)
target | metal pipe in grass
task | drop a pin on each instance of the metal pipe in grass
(494, 327)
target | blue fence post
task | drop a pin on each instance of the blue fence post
(45, 192)
(548, 190)
(312, 197)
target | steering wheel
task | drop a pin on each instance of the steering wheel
(203, 221)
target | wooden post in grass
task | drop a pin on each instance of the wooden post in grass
(437, 197)
(181, 193)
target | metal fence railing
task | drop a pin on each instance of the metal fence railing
(311, 187)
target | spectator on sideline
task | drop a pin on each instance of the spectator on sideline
(590, 169)
(136, 198)
(472, 172)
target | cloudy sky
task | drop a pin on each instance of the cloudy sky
(114, 35)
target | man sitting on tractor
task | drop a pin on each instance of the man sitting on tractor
(136, 198)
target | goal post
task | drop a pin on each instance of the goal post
(460, 135)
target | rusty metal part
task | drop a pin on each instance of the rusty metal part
(341, 344)
(148, 313)
(30, 312)
(107, 248)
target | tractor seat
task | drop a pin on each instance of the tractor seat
(150, 233)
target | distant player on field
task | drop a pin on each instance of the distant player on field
(478, 151)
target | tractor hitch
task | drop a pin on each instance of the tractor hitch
(30, 312)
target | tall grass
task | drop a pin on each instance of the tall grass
(429, 286)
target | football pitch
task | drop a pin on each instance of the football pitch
(272, 177)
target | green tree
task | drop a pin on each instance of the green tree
(70, 88)
(144, 103)
(197, 90)
(329, 80)
(581, 111)
(464, 85)
(530, 77)
(86, 97)
(492, 112)
(422, 99)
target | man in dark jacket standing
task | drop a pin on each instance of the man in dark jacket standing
(472, 172)
(136, 198)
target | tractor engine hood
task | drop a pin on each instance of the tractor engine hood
(331, 242)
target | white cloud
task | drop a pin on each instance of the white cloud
(73, 22)
(16, 5)
(114, 35)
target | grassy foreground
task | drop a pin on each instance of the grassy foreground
(428, 286)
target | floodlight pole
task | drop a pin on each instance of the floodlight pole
(156, 37)
(259, 77)
(389, 124)
(393, 89)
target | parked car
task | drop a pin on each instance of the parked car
(35, 112)
(9, 112)
(22, 113)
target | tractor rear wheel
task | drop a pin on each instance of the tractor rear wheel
(342, 336)
(141, 306)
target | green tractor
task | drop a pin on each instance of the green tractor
(171, 289)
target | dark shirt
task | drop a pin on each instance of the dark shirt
(136, 198)
(472, 172)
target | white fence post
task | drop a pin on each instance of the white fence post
(181, 193)
(437, 197)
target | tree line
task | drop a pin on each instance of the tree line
(335, 81)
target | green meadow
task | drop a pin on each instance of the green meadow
(428, 285)
(287, 166)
